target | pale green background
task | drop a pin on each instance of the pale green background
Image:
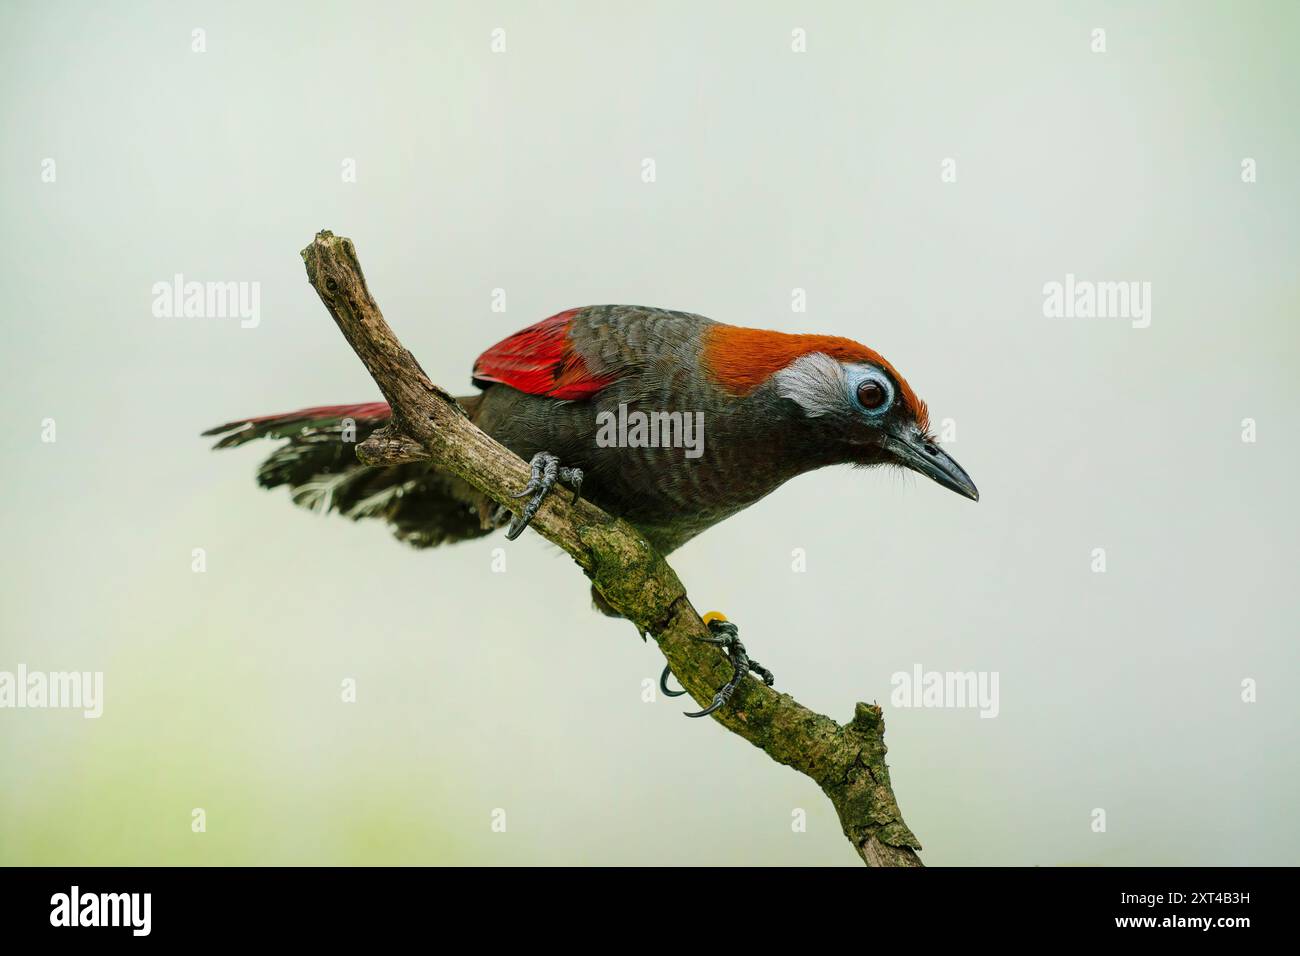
(775, 170)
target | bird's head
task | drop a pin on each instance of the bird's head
(860, 408)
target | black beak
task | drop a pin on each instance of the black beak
(920, 453)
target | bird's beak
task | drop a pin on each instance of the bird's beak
(920, 453)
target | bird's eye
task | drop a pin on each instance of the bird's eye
(871, 395)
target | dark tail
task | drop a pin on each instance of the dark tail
(319, 465)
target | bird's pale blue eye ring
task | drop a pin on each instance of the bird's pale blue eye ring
(874, 394)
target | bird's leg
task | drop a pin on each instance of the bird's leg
(546, 471)
(723, 634)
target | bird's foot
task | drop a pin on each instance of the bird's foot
(724, 634)
(546, 471)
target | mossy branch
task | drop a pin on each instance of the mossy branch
(846, 761)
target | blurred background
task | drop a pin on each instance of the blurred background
(776, 168)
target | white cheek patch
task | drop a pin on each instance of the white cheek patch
(816, 382)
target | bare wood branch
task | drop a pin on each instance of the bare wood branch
(847, 762)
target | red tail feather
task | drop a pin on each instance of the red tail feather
(244, 429)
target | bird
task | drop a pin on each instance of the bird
(669, 420)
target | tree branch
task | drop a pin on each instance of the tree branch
(847, 762)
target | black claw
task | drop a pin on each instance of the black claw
(544, 470)
(716, 641)
(721, 634)
(574, 478)
(718, 701)
(663, 685)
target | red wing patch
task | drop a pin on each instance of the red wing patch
(541, 360)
